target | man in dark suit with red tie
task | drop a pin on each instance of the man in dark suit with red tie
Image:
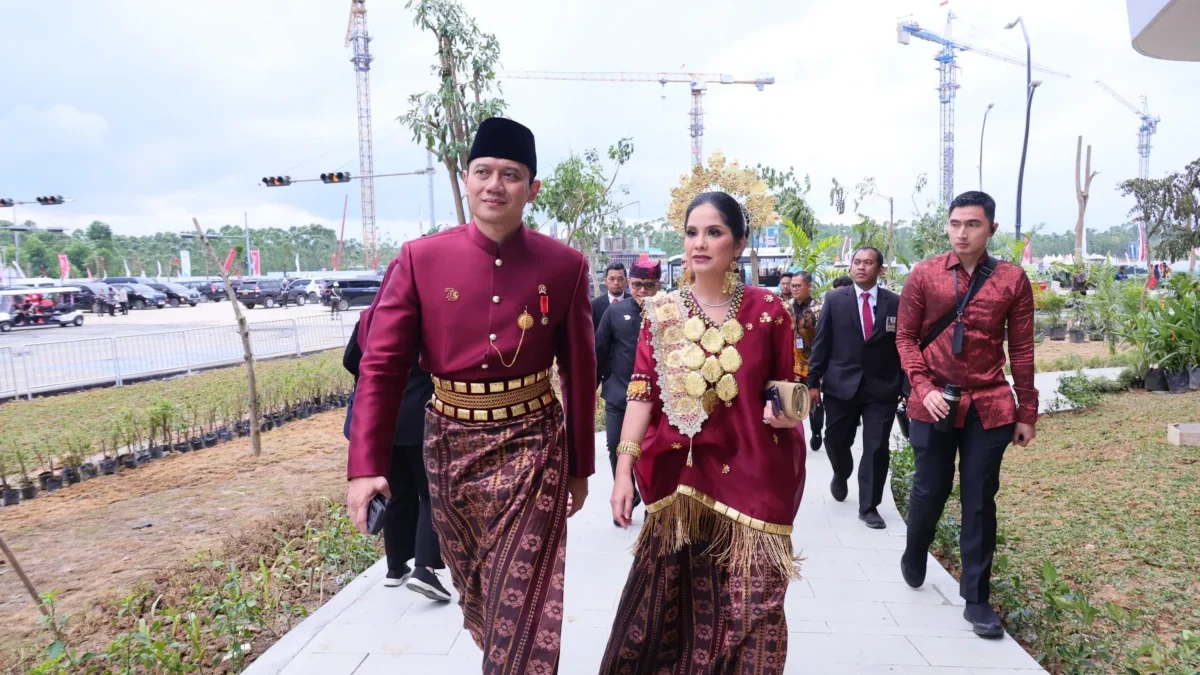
(614, 282)
(855, 362)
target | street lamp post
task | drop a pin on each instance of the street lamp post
(1029, 86)
(981, 130)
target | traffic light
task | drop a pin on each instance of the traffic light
(50, 201)
(277, 181)
(6, 203)
(339, 177)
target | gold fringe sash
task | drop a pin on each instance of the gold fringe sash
(689, 516)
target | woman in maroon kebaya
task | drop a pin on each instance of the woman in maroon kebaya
(720, 473)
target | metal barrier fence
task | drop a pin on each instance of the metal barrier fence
(48, 366)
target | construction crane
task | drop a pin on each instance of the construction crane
(947, 60)
(356, 35)
(698, 81)
(1145, 131)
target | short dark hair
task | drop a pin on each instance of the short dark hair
(731, 212)
(976, 198)
(806, 277)
(786, 275)
(842, 281)
(878, 253)
(615, 267)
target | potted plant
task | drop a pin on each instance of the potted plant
(8, 494)
(1052, 304)
(193, 424)
(72, 457)
(108, 448)
(87, 468)
(1079, 320)
(179, 429)
(27, 487)
(210, 414)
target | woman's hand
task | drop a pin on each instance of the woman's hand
(779, 421)
(622, 498)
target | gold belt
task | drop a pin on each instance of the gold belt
(492, 401)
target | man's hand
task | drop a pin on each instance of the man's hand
(936, 405)
(578, 489)
(1023, 433)
(360, 493)
(814, 397)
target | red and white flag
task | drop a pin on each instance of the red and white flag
(1027, 254)
(229, 258)
(64, 265)
(254, 263)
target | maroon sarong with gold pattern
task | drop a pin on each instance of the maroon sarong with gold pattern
(686, 613)
(499, 495)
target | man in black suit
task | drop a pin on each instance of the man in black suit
(616, 349)
(614, 281)
(854, 359)
(408, 527)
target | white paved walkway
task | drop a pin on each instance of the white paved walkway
(852, 612)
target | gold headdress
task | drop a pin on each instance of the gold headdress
(742, 184)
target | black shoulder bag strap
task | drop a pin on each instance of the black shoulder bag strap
(960, 304)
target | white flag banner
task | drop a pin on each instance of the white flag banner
(185, 263)
(159, 269)
(126, 263)
(297, 263)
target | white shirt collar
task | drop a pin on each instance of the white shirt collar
(612, 297)
(873, 292)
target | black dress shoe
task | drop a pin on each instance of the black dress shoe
(816, 442)
(837, 488)
(872, 519)
(983, 620)
(913, 572)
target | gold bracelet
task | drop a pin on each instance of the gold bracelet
(631, 448)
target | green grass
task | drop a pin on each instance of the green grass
(1115, 507)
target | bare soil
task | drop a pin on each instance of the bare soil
(98, 539)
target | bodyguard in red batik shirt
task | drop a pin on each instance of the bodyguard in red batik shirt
(967, 352)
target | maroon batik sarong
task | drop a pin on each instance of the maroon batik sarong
(685, 613)
(499, 497)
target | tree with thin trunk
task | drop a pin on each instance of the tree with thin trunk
(244, 331)
(1154, 205)
(444, 121)
(1083, 190)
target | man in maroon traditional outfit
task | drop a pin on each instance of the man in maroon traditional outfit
(490, 306)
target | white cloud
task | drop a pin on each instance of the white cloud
(57, 128)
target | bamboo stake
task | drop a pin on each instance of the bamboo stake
(12, 560)
(244, 330)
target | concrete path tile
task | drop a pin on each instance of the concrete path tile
(837, 611)
(973, 651)
(810, 651)
(871, 591)
(384, 639)
(325, 664)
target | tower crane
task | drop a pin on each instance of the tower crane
(947, 60)
(698, 81)
(1145, 131)
(356, 36)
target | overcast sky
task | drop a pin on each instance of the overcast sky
(148, 113)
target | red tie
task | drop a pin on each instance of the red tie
(868, 319)
(614, 301)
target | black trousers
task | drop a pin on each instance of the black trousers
(408, 530)
(841, 424)
(980, 452)
(614, 417)
(816, 421)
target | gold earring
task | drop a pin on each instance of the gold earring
(731, 279)
(688, 277)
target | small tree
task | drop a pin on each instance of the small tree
(1154, 205)
(582, 198)
(791, 198)
(1083, 189)
(809, 255)
(444, 120)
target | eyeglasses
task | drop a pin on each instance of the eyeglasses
(644, 285)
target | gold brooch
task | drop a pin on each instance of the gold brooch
(451, 295)
(724, 468)
(769, 297)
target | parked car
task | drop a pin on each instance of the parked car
(177, 294)
(142, 296)
(128, 280)
(89, 293)
(358, 292)
(312, 287)
(297, 292)
(265, 292)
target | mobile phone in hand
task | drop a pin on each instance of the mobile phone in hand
(776, 401)
(376, 514)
